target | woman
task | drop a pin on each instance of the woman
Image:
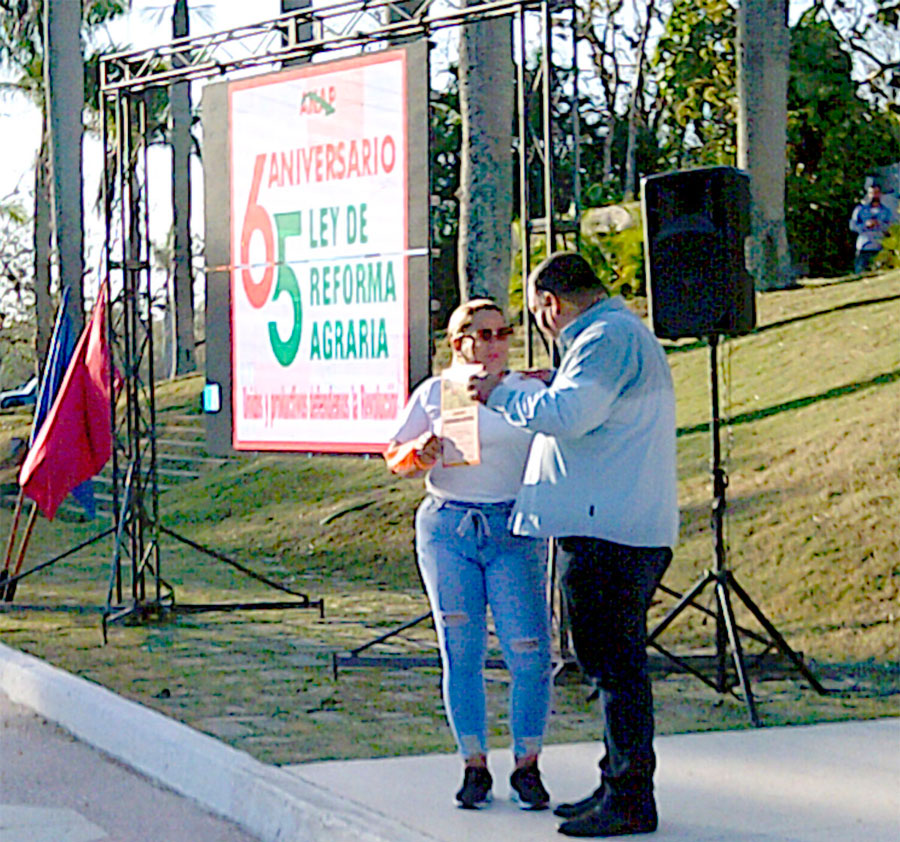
(469, 559)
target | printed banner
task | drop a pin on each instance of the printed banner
(319, 255)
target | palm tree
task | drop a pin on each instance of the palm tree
(486, 182)
(764, 44)
(64, 96)
(180, 120)
(22, 54)
(182, 277)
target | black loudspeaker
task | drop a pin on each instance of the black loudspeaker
(695, 226)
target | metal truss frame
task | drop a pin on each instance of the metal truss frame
(337, 26)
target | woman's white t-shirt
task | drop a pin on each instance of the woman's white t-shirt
(504, 448)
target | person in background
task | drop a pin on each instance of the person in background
(870, 220)
(601, 479)
(469, 559)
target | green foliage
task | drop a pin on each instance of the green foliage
(647, 153)
(695, 71)
(603, 193)
(888, 13)
(445, 127)
(100, 11)
(536, 253)
(594, 124)
(13, 212)
(618, 256)
(22, 49)
(22, 59)
(16, 352)
(889, 256)
(446, 135)
(834, 139)
(22, 30)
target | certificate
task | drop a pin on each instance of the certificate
(459, 417)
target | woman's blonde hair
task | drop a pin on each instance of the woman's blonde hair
(461, 317)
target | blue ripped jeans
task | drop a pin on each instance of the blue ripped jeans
(469, 560)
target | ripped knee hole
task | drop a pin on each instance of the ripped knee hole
(525, 644)
(454, 618)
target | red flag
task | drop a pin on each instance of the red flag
(75, 440)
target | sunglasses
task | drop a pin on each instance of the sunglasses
(486, 334)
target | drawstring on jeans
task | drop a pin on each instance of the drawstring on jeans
(476, 520)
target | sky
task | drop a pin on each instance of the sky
(148, 25)
(20, 121)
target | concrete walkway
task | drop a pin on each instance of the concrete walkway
(821, 783)
(57, 789)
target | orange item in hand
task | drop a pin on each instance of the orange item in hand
(403, 459)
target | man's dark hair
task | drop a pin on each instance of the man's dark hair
(567, 274)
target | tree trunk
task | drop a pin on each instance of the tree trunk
(64, 73)
(43, 304)
(763, 66)
(182, 275)
(629, 187)
(608, 139)
(486, 200)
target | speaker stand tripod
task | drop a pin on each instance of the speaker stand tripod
(723, 581)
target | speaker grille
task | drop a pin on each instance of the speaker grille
(695, 223)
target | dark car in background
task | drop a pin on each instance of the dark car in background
(20, 396)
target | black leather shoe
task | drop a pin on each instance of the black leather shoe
(603, 821)
(576, 808)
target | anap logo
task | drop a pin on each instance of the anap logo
(319, 101)
(257, 219)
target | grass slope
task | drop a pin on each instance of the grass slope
(812, 449)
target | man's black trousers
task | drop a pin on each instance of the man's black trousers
(607, 588)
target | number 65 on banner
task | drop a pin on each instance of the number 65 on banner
(256, 218)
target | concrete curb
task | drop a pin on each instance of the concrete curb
(266, 801)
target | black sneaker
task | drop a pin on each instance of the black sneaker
(528, 790)
(476, 789)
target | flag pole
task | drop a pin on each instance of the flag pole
(26, 538)
(4, 574)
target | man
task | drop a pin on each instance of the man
(600, 478)
(870, 220)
